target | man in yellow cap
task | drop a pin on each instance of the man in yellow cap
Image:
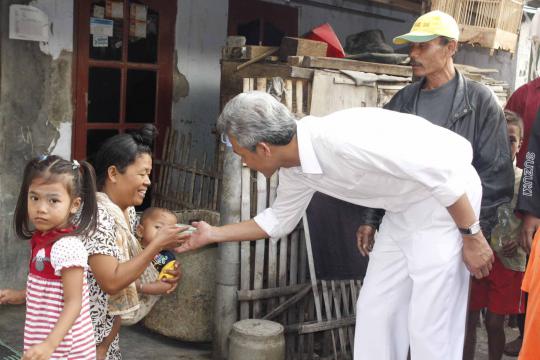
(446, 98)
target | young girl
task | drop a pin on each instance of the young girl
(58, 323)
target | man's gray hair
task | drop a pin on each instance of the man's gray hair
(255, 117)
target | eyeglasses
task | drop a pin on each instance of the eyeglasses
(225, 140)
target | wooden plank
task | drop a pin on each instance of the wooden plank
(185, 161)
(168, 169)
(293, 271)
(250, 295)
(245, 214)
(273, 243)
(328, 96)
(299, 98)
(290, 302)
(201, 184)
(293, 46)
(295, 60)
(191, 194)
(355, 65)
(159, 185)
(336, 296)
(328, 311)
(260, 245)
(245, 248)
(257, 58)
(310, 337)
(261, 84)
(274, 70)
(316, 326)
(302, 273)
(347, 311)
(244, 52)
(313, 276)
(474, 70)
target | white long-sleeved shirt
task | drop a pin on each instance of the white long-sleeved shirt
(371, 157)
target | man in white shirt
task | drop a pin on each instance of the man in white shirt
(416, 287)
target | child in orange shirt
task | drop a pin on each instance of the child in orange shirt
(530, 350)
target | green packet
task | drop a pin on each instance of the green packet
(190, 230)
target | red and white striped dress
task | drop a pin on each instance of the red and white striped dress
(45, 296)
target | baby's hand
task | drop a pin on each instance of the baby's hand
(175, 276)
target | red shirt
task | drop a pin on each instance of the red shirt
(40, 263)
(525, 101)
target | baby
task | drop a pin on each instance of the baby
(152, 220)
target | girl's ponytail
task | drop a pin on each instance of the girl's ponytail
(88, 214)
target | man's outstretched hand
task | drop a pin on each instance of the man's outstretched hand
(197, 239)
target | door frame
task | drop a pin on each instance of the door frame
(82, 63)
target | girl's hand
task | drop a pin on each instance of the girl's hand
(12, 296)
(176, 274)
(41, 351)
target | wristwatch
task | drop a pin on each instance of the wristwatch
(471, 230)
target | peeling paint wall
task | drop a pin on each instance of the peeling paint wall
(35, 117)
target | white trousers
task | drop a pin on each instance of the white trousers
(416, 287)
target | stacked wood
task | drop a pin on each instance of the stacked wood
(500, 88)
(291, 46)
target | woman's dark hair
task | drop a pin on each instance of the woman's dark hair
(80, 181)
(122, 150)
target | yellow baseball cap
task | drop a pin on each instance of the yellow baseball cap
(429, 26)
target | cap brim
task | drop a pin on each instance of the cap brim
(415, 38)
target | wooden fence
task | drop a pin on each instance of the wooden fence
(183, 182)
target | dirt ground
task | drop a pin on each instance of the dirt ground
(139, 343)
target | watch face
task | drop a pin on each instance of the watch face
(475, 228)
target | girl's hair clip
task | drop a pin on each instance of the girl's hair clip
(76, 165)
(43, 157)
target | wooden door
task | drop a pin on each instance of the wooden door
(124, 62)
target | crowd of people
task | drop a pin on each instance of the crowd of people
(438, 172)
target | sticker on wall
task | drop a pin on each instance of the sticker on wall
(101, 27)
(99, 11)
(100, 41)
(114, 9)
(28, 23)
(137, 20)
(138, 12)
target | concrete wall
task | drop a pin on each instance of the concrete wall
(201, 31)
(523, 54)
(346, 22)
(35, 117)
(503, 61)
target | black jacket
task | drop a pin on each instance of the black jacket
(529, 189)
(476, 116)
